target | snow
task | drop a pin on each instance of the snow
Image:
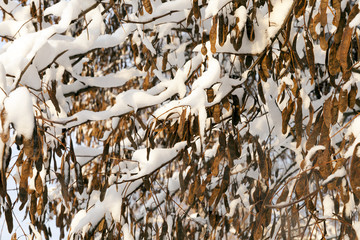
(328, 206)
(241, 13)
(356, 226)
(310, 154)
(114, 194)
(355, 22)
(214, 7)
(19, 109)
(338, 174)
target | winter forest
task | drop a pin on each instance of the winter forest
(181, 119)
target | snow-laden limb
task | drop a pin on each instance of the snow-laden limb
(133, 100)
(127, 184)
(109, 81)
(19, 111)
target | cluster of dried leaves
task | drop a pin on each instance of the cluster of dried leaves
(235, 183)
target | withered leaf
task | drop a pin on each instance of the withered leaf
(355, 171)
(298, 121)
(182, 120)
(327, 111)
(302, 187)
(214, 194)
(79, 178)
(300, 8)
(323, 15)
(263, 164)
(196, 9)
(324, 161)
(33, 10)
(352, 96)
(250, 29)
(8, 218)
(222, 140)
(164, 60)
(323, 42)
(213, 34)
(221, 33)
(38, 184)
(315, 133)
(284, 194)
(343, 100)
(217, 113)
(334, 110)
(147, 6)
(343, 50)
(261, 92)
(234, 153)
(310, 56)
(311, 115)
(52, 95)
(334, 64)
(286, 114)
(312, 27)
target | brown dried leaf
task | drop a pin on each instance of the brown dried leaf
(315, 133)
(196, 9)
(352, 96)
(302, 187)
(355, 171)
(323, 42)
(327, 112)
(33, 10)
(210, 95)
(298, 122)
(323, 15)
(264, 66)
(310, 56)
(334, 64)
(311, 115)
(337, 6)
(221, 30)
(283, 196)
(261, 92)
(38, 184)
(344, 47)
(164, 60)
(343, 100)
(212, 35)
(334, 111)
(324, 162)
(147, 6)
(8, 218)
(263, 164)
(214, 194)
(182, 121)
(286, 114)
(312, 27)
(250, 29)
(300, 8)
(234, 153)
(217, 113)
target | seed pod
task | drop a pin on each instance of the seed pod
(213, 35)
(147, 6)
